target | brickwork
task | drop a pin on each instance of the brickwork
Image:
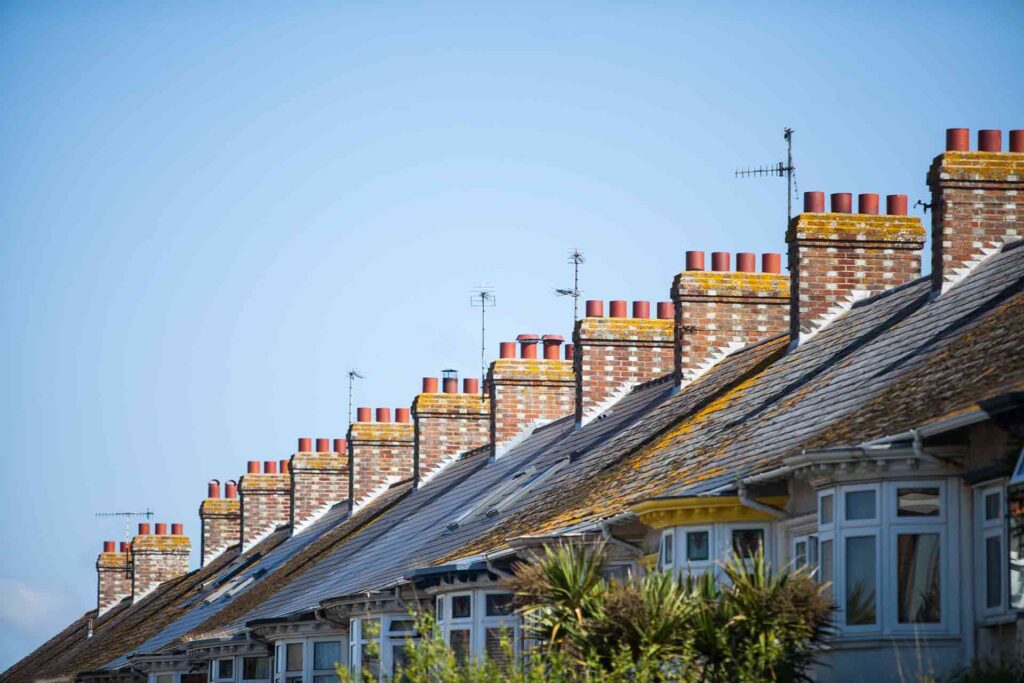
(718, 310)
(977, 203)
(155, 559)
(221, 519)
(319, 481)
(615, 353)
(525, 390)
(448, 425)
(266, 504)
(380, 452)
(114, 579)
(832, 255)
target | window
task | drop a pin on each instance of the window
(701, 547)
(698, 546)
(991, 533)
(462, 606)
(164, 678)
(668, 550)
(225, 669)
(825, 506)
(479, 624)
(255, 668)
(919, 584)
(326, 656)
(805, 551)
(860, 505)
(861, 580)
(747, 542)
(917, 502)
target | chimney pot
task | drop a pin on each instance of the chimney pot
(364, 415)
(124, 546)
(1017, 141)
(771, 263)
(528, 345)
(213, 489)
(990, 141)
(231, 489)
(109, 546)
(642, 309)
(254, 467)
(867, 203)
(666, 310)
(507, 350)
(720, 261)
(896, 204)
(177, 529)
(746, 262)
(269, 467)
(286, 465)
(402, 415)
(695, 260)
(595, 308)
(161, 528)
(383, 414)
(814, 202)
(958, 140)
(144, 529)
(842, 202)
(305, 445)
(470, 385)
(551, 344)
(617, 308)
(451, 385)
(570, 351)
(340, 446)
(430, 385)
(323, 445)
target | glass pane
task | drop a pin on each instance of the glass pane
(1015, 546)
(371, 660)
(399, 662)
(225, 668)
(293, 679)
(498, 604)
(498, 644)
(923, 502)
(919, 577)
(825, 563)
(697, 549)
(992, 507)
(825, 516)
(439, 608)
(462, 606)
(860, 505)
(800, 553)
(332, 678)
(993, 571)
(165, 678)
(401, 626)
(326, 654)
(256, 668)
(458, 640)
(860, 580)
(746, 542)
(668, 550)
(293, 657)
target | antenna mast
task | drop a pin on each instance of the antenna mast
(128, 517)
(576, 259)
(353, 375)
(782, 169)
(482, 296)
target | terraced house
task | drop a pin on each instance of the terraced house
(851, 415)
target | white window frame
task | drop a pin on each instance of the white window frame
(308, 660)
(667, 536)
(356, 642)
(240, 668)
(175, 676)
(307, 672)
(215, 670)
(984, 530)
(697, 566)
(478, 622)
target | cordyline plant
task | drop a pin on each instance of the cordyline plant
(749, 624)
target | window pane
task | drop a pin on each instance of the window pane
(498, 604)
(923, 502)
(458, 640)
(256, 668)
(439, 608)
(401, 626)
(860, 505)
(800, 553)
(667, 550)
(825, 563)
(860, 580)
(993, 571)
(326, 654)
(920, 593)
(697, 549)
(225, 668)
(371, 660)
(332, 678)
(498, 644)
(746, 542)
(1015, 547)
(462, 606)
(293, 657)
(399, 662)
(825, 516)
(992, 507)
(165, 678)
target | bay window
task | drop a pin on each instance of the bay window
(307, 660)
(478, 624)
(698, 549)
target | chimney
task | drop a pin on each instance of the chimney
(527, 389)
(723, 309)
(114, 576)
(611, 354)
(380, 453)
(448, 424)
(157, 558)
(977, 200)
(221, 519)
(266, 501)
(837, 257)
(319, 479)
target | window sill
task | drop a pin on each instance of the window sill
(875, 640)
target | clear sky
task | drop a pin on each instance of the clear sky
(211, 211)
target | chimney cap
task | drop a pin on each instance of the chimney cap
(553, 338)
(528, 338)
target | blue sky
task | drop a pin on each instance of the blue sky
(211, 211)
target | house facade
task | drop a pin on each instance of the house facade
(852, 415)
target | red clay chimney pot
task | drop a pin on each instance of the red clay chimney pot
(642, 309)
(254, 467)
(595, 308)
(161, 528)
(305, 444)
(507, 350)
(177, 529)
(990, 141)
(570, 351)
(269, 467)
(430, 385)
(230, 489)
(323, 445)
(617, 308)
(109, 546)
(958, 140)
(1017, 141)
(842, 202)
(695, 260)
(666, 310)
(286, 465)
(124, 546)
(364, 415)
(551, 344)
(213, 489)
(451, 385)
(340, 446)
(470, 385)
(528, 345)
(771, 263)
(402, 415)
(867, 203)
(814, 202)
(720, 261)
(746, 262)
(896, 204)
(144, 529)
(383, 414)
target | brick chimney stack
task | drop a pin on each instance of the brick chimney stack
(722, 309)
(977, 200)
(221, 519)
(448, 423)
(612, 354)
(319, 478)
(528, 389)
(266, 501)
(114, 576)
(838, 256)
(380, 452)
(158, 557)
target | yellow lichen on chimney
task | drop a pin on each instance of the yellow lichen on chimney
(719, 284)
(220, 506)
(624, 329)
(162, 543)
(258, 481)
(318, 461)
(992, 166)
(468, 404)
(112, 561)
(532, 369)
(381, 431)
(856, 227)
